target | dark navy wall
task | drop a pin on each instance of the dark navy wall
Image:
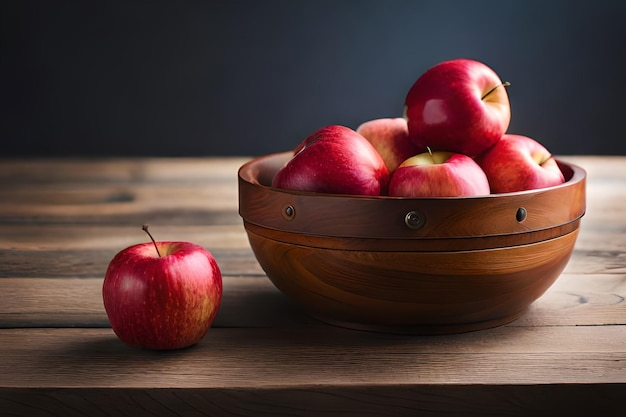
(252, 77)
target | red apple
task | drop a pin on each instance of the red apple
(390, 137)
(518, 163)
(162, 295)
(458, 106)
(334, 159)
(438, 174)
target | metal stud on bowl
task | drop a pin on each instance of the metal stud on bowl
(414, 220)
(288, 212)
(521, 214)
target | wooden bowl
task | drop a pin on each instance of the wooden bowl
(410, 265)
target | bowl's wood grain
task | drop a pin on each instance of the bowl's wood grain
(415, 292)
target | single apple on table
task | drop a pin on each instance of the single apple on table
(438, 174)
(519, 163)
(457, 106)
(334, 159)
(390, 137)
(162, 295)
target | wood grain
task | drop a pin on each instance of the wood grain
(61, 221)
(415, 292)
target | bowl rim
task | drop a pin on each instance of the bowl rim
(342, 215)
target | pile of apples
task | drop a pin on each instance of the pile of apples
(451, 142)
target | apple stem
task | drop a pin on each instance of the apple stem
(504, 84)
(430, 152)
(145, 229)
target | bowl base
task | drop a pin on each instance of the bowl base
(423, 330)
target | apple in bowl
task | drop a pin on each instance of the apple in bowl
(337, 160)
(457, 106)
(438, 174)
(519, 163)
(390, 137)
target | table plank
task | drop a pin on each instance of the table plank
(35, 237)
(313, 400)
(253, 301)
(67, 302)
(94, 262)
(133, 191)
(119, 170)
(56, 358)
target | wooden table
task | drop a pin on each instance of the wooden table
(61, 222)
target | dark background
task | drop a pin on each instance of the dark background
(106, 78)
